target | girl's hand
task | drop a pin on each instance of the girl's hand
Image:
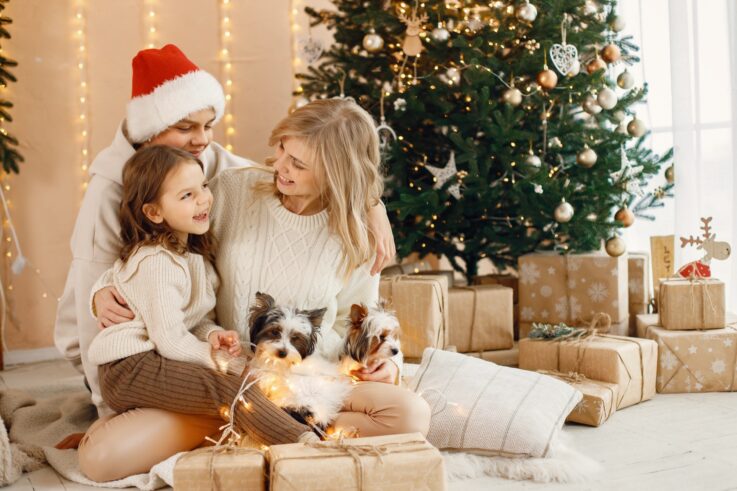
(384, 371)
(378, 223)
(226, 341)
(111, 308)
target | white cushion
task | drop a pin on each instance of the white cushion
(482, 407)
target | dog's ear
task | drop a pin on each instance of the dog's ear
(261, 305)
(315, 317)
(358, 314)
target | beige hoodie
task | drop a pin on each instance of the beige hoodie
(96, 244)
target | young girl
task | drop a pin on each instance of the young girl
(162, 357)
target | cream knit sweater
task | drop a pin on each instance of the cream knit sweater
(173, 299)
(295, 259)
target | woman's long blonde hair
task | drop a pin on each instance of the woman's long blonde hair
(344, 148)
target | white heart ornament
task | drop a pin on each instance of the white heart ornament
(310, 49)
(564, 57)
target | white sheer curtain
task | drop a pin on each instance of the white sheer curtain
(689, 59)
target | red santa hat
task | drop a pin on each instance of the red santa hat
(167, 87)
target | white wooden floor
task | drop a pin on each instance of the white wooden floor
(673, 442)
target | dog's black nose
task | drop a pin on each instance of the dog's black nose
(395, 351)
(282, 353)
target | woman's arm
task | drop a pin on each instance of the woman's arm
(379, 225)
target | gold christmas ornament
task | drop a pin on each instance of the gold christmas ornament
(670, 174)
(625, 216)
(615, 246)
(625, 80)
(526, 12)
(372, 42)
(591, 105)
(595, 65)
(587, 157)
(611, 53)
(547, 79)
(512, 96)
(606, 98)
(617, 24)
(636, 127)
(563, 212)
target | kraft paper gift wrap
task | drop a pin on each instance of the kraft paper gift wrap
(599, 399)
(630, 363)
(480, 318)
(691, 304)
(406, 268)
(503, 357)
(573, 287)
(393, 462)
(638, 268)
(439, 272)
(693, 361)
(206, 468)
(507, 280)
(421, 305)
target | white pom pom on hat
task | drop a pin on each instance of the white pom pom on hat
(166, 88)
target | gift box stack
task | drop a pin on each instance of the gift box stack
(405, 461)
(572, 288)
(697, 340)
(432, 312)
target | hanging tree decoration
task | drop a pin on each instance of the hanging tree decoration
(444, 174)
(8, 143)
(627, 175)
(310, 49)
(564, 56)
(412, 45)
(386, 134)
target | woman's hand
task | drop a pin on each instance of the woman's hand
(111, 308)
(226, 341)
(383, 371)
(378, 223)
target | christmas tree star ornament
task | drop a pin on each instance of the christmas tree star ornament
(564, 56)
(627, 175)
(444, 174)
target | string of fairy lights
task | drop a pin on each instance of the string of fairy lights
(150, 22)
(226, 39)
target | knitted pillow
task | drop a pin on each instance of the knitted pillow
(489, 409)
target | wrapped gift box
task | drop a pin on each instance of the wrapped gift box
(206, 468)
(573, 287)
(504, 357)
(404, 461)
(630, 363)
(421, 305)
(480, 318)
(412, 267)
(692, 304)
(693, 361)
(599, 399)
(617, 328)
(450, 275)
(507, 280)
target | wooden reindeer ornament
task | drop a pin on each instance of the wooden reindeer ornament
(712, 248)
(412, 45)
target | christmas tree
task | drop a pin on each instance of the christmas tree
(506, 126)
(8, 143)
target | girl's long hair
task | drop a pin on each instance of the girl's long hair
(143, 177)
(344, 148)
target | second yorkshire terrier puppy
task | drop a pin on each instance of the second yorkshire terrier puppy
(285, 364)
(373, 336)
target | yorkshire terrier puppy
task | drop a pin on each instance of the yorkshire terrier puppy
(373, 336)
(288, 371)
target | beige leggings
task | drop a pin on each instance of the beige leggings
(133, 442)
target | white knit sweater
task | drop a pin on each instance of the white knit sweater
(295, 259)
(173, 299)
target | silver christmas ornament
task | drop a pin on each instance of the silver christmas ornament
(591, 105)
(453, 75)
(563, 212)
(619, 115)
(372, 42)
(606, 98)
(512, 96)
(443, 174)
(440, 34)
(586, 158)
(532, 163)
(526, 12)
(636, 127)
(575, 69)
(625, 80)
(617, 24)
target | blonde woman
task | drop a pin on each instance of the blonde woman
(299, 231)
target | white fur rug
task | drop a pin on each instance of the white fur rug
(37, 420)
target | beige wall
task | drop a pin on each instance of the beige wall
(46, 195)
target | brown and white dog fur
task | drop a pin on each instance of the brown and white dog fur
(288, 370)
(373, 336)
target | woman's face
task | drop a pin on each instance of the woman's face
(295, 174)
(191, 134)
